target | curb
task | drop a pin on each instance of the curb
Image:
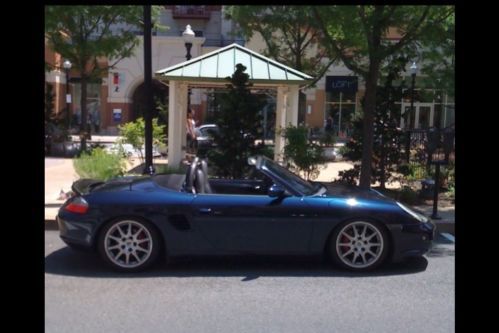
(445, 226)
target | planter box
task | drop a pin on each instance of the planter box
(64, 149)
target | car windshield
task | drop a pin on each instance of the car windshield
(296, 182)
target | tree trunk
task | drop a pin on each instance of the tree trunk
(368, 125)
(382, 165)
(302, 106)
(84, 114)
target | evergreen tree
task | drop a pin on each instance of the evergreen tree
(239, 122)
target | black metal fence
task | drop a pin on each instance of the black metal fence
(420, 150)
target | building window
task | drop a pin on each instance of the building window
(341, 104)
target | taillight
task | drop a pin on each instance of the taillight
(78, 206)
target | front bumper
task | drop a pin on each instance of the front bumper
(412, 240)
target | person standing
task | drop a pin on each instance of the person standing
(191, 133)
(329, 124)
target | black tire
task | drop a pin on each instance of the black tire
(129, 244)
(359, 245)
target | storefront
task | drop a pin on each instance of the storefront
(341, 103)
(428, 106)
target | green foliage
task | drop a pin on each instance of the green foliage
(288, 32)
(166, 169)
(134, 133)
(99, 165)
(363, 29)
(301, 154)
(291, 36)
(388, 138)
(408, 195)
(439, 54)
(350, 176)
(239, 124)
(327, 139)
(49, 102)
(83, 34)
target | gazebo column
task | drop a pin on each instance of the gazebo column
(286, 114)
(280, 120)
(177, 114)
(292, 110)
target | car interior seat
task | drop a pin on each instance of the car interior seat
(191, 175)
(201, 182)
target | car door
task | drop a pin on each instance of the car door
(256, 224)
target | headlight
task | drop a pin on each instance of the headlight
(421, 218)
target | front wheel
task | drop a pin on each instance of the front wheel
(129, 245)
(359, 245)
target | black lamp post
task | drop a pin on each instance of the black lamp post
(188, 36)
(67, 66)
(149, 167)
(437, 125)
(414, 69)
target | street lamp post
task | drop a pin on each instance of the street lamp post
(67, 66)
(437, 125)
(188, 35)
(414, 69)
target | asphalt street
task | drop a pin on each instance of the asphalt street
(248, 295)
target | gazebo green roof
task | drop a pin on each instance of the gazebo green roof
(217, 65)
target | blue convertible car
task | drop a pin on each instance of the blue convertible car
(131, 221)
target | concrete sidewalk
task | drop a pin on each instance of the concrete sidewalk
(60, 174)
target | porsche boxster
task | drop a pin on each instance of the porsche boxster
(130, 221)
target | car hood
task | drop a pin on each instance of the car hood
(349, 191)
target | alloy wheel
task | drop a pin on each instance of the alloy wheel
(359, 245)
(128, 244)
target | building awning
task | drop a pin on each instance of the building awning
(217, 65)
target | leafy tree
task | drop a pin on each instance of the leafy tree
(49, 103)
(290, 34)
(356, 34)
(239, 123)
(86, 34)
(439, 55)
(389, 138)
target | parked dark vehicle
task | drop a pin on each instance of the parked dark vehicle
(57, 142)
(130, 221)
(204, 137)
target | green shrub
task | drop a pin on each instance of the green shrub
(301, 154)
(134, 133)
(99, 165)
(166, 169)
(408, 196)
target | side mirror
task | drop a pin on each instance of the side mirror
(276, 191)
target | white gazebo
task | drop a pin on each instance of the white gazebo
(211, 70)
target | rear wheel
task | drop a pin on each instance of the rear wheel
(129, 245)
(359, 245)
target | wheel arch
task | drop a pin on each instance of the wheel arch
(162, 245)
(327, 243)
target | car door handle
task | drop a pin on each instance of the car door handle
(205, 210)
